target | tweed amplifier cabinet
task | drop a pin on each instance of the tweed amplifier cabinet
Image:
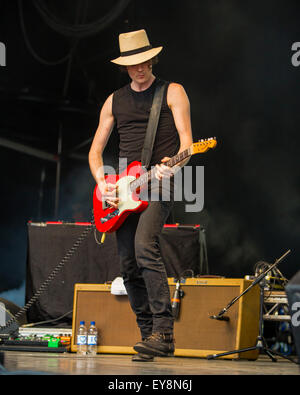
(196, 334)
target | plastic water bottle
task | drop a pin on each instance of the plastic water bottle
(92, 339)
(82, 339)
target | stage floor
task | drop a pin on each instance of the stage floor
(118, 365)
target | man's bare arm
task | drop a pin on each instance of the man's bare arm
(179, 104)
(105, 127)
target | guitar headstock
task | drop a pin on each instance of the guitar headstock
(203, 145)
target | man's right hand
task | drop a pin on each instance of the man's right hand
(109, 193)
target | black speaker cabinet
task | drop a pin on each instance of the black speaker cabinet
(182, 248)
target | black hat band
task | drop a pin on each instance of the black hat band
(136, 51)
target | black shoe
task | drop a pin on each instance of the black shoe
(158, 344)
(139, 357)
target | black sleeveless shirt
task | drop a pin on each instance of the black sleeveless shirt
(131, 111)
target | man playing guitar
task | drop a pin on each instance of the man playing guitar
(128, 108)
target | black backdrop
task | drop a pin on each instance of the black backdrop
(182, 251)
(233, 58)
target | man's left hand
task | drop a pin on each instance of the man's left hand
(163, 171)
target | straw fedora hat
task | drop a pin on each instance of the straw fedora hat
(135, 48)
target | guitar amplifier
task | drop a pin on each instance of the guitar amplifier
(196, 335)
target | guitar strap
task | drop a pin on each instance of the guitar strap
(153, 123)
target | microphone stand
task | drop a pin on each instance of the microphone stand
(260, 341)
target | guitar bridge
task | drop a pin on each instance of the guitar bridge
(109, 216)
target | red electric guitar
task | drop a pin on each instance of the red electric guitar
(109, 219)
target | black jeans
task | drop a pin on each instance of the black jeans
(143, 270)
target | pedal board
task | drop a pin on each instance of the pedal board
(35, 344)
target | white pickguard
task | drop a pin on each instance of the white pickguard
(125, 195)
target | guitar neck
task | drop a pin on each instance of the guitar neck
(146, 177)
(179, 157)
(200, 147)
